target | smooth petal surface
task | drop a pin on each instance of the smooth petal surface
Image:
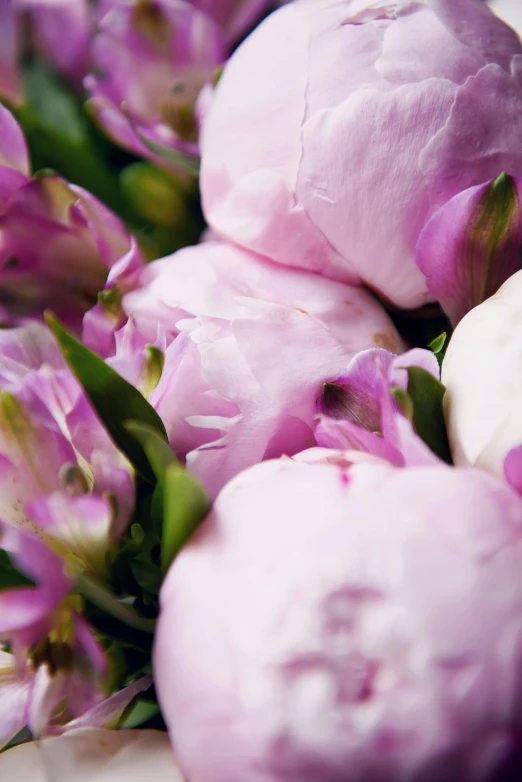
(259, 342)
(13, 150)
(364, 622)
(472, 245)
(367, 121)
(482, 372)
(93, 755)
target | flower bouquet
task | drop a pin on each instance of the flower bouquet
(260, 357)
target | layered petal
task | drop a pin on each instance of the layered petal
(252, 345)
(364, 622)
(369, 118)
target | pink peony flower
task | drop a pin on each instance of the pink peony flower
(482, 374)
(336, 619)
(154, 57)
(249, 346)
(339, 127)
(57, 241)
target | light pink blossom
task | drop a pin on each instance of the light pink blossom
(339, 127)
(250, 345)
(338, 618)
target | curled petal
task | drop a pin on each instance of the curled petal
(472, 245)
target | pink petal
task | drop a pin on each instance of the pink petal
(13, 149)
(107, 713)
(472, 245)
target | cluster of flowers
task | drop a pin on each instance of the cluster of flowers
(241, 498)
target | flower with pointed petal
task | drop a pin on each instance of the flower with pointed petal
(360, 411)
(364, 622)
(154, 57)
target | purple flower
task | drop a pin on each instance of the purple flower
(153, 57)
(59, 469)
(59, 30)
(471, 245)
(360, 411)
(338, 618)
(57, 241)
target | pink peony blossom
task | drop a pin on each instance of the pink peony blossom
(154, 58)
(338, 618)
(249, 346)
(339, 127)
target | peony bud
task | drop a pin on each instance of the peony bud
(250, 346)
(363, 622)
(338, 128)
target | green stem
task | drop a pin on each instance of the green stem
(102, 597)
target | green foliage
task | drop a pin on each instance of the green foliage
(114, 400)
(427, 395)
(185, 506)
(9, 576)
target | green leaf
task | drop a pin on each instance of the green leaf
(114, 400)
(437, 345)
(158, 451)
(185, 506)
(141, 711)
(404, 401)
(160, 456)
(427, 394)
(9, 575)
(54, 106)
